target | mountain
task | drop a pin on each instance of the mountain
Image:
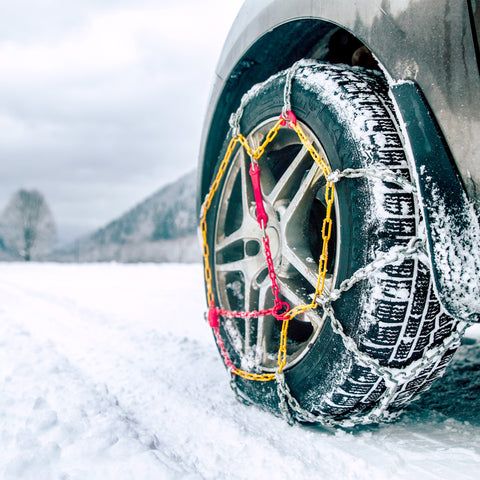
(160, 229)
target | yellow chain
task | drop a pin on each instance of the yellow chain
(256, 154)
(265, 377)
(203, 221)
(269, 138)
(326, 234)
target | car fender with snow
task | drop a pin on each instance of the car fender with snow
(339, 196)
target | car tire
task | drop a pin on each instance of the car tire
(393, 315)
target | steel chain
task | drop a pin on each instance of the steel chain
(380, 411)
(392, 377)
(287, 92)
(395, 255)
(381, 173)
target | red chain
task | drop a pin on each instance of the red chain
(280, 308)
(262, 219)
(249, 314)
(223, 350)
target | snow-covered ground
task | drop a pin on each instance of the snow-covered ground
(109, 372)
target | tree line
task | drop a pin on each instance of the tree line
(27, 226)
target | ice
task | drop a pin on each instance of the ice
(109, 371)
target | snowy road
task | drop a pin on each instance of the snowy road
(108, 371)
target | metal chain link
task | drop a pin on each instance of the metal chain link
(381, 173)
(396, 254)
(287, 91)
(236, 116)
(393, 378)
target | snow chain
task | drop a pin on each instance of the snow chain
(392, 377)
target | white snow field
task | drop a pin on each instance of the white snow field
(109, 372)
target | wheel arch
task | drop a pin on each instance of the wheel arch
(274, 51)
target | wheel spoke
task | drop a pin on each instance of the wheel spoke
(296, 250)
(249, 267)
(288, 182)
(265, 323)
(230, 242)
(295, 244)
(298, 208)
(291, 291)
(300, 259)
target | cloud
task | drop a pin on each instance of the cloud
(104, 100)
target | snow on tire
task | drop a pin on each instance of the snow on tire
(393, 315)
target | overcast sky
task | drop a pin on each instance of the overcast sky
(101, 101)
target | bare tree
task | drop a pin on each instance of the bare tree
(27, 226)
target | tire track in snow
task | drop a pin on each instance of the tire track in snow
(67, 415)
(162, 390)
(179, 387)
(96, 371)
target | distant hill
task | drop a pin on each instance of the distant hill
(160, 229)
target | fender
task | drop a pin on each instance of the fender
(452, 227)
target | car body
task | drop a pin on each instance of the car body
(429, 52)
